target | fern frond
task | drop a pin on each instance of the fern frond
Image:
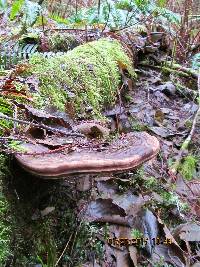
(12, 57)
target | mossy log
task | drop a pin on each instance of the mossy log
(179, 70)
(87, 76)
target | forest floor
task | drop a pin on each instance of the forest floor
(88, 220)
(48, 217)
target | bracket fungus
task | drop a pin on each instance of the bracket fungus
(123, 154)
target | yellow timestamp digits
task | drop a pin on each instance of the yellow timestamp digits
(120, 242)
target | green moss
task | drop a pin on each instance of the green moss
(89, 71)
(188, 167)
(5, 229)
(6, 109)
(137, 125)
(62, 42)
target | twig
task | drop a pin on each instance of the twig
(99, 7)
(63, 250)
(109, 10)
(42, 126)
(190, 136)
(15, 116)
(68, 29)
(68, 146)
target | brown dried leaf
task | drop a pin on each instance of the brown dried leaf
(159, 116)
(92, 130)
(104, 210)
(133, 254)
(188, 232)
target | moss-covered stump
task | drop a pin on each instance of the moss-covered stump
(62, 41)
(87, 76)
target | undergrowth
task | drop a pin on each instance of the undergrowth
(6, 109)
(164, 199)
(5, 229)
(28, 239)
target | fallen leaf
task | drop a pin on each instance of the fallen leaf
(169, 254)
(188, 232)
(161, 131)
(92, 130)
(146, 222)
(45, 116)
(133, 254)
(167, 232)
(159, 116)
(168, 88)
(104, 210)
(83, 184)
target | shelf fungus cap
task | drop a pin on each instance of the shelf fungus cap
(126, 153)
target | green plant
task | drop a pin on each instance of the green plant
(135, 233)
(29, 10)
(5, 229)
(16, 146)
(161, 263)
(3, 5)
(196, 61)
(58, 18)
(151, 183)
(47, 248)
(89, 71)
(62, 42)
(6, 109)
(16, 8)
(188, 167)
(124, 13)
(171, 199)
(136, 125)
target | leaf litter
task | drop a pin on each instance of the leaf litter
(157, 106)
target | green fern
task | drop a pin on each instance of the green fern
(20, 51)
(3, 5)
(58, 18)
(123, 13)
(31, 11)
(196, 61)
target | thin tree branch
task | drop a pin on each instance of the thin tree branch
(42, 126)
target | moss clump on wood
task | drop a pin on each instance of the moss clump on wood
(188, 167)
(6, 109)
(62, 42)
(86, 76)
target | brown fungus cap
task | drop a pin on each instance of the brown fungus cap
(123, 154)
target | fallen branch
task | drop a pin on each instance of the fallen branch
(41, 126)
(187, 141)
(175, 69)
(180, 69)
(186, 92)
